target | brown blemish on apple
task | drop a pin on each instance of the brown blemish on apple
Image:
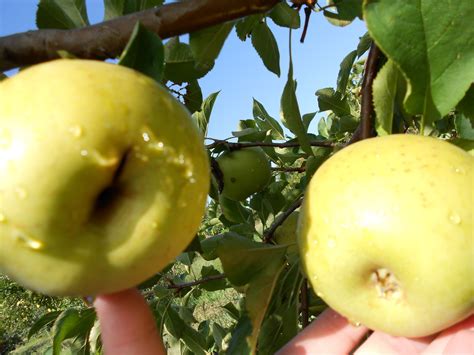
(386, 284)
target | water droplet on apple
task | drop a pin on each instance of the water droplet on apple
(21, 193)
(5, 138)
(315, 242)
(459, 170)
(319, 294)
(146, 137)
(455, 218)
(28, 241)
(157, 146)
(84, 153)
(76, 131)
(331, 243)
(354, 323)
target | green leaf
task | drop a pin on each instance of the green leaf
(116, 8)
(257, 267)
(466, 105)
(144, 52)
(239, 344)
(464, 127)
(430, 41)
(364, 44)
(61, 14)
(267, 47)
(193, 97)
(283, 15)
(384, 92)
(328, 99)
(180, 330)
(206, 44)
(203, 116)
(233, 211)
(290, 112)
(307, 118)
(245, 26)
(267, 122)
(344, 71)
(44, 321)
(346, 12)
(179, 62)
(71, 324)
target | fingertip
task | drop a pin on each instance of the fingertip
(127, 324)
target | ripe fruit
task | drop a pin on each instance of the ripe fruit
(286, 235)
(104, 177)
(246, 171)
(386, 234)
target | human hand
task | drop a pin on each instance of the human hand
(128, 327)
(331, 333)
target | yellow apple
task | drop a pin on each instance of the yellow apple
(104, 177)
(386, 234)
(245, 171)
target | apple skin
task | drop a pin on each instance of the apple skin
(246, 171)
(104, 177)
(386, 234)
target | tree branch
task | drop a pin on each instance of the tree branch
(304, 305)
(300, 169)
(179, 287)
(108, 39)
(366, 128)
(268, 235)
(236, 146)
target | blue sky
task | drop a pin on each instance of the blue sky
(239, 74)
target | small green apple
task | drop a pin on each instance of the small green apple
(286, 235)
(104, 177)
(386, 234)
(246, 171)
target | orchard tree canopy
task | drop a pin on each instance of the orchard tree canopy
(411, 73)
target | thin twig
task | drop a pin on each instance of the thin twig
(237, 146)
(180, 286)
(366, 128)
(300, 169)
(268, 235)
(107, 39)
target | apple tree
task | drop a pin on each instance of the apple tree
(238, 287)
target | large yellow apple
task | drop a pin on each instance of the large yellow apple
(103, 181)
(386, 234)
(245, 171)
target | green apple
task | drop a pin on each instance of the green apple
(104, 177)
(386, 234)
(286, 235)
(245, 171)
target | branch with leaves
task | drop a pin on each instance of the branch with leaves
(108, 39)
